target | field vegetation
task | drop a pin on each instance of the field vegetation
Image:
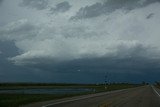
(15, 100)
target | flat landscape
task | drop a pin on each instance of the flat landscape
(13, 95)
(144, 96)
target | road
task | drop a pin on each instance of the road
(146, 96)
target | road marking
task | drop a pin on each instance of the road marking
(84, 97)
(81, 98)
(65, 101)
(155, 91)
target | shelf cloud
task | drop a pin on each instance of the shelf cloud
(115, 35)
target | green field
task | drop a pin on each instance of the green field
(15, 100)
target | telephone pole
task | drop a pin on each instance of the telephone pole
(105, 81)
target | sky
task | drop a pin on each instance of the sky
(79, 41)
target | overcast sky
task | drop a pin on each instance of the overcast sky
(79, 40)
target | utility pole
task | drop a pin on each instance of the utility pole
(105, 81)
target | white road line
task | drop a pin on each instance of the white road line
(85, 97)
(155, 91)
(64, 101)
(71, 100)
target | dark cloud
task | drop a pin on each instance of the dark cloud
(110, 6)
(37, 4)
(121, 65)
(150, 15)
(18, 30)
(8, 49)
(9, 72)
(1, 1)
(131, 68)
(61, 7)
(93, 69)
(82, 51)
(134, 60)
(127, 65)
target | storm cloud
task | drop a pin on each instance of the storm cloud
(1, 2)
(110, 6)
(61, 7)
(116, 36)
(37, 4)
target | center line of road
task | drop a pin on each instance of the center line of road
(155, 91)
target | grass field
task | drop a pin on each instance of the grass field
(157, 84)
(15, 100)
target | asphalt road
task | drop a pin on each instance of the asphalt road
(146, 96)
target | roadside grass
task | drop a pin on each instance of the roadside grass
(15, 100)
(157, 84)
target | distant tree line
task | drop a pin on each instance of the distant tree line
(64, 84)
(44, 84)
